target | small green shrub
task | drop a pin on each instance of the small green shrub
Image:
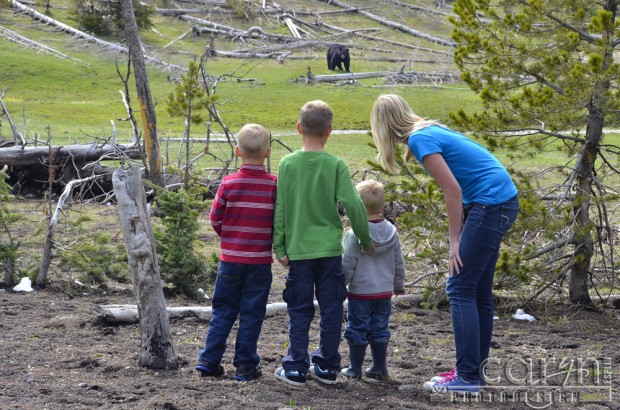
(8, 244)
(180, 265)
(96, 259)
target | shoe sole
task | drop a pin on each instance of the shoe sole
(246, 379)
(435, 388)
(320, 379)
(205, 374)
(358, 377)
(287, 380)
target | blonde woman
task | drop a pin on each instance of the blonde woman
(482, 204)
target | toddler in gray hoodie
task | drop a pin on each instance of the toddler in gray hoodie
(372, 279)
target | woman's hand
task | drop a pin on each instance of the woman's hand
(454, 259)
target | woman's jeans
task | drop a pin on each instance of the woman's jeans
(240, 290)
(368, 321)
(470, 292)
(306, 278)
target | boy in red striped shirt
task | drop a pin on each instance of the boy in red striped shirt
(242, 215)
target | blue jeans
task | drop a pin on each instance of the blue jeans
(324, 277)
(240, 290)
(368, 321)
(470, 292)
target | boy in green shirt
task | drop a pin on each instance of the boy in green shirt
(308, 240)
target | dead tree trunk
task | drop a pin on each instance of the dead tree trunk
(9, 269)
(19, 140)
(157, 350)
(145, 100)
(49, 238)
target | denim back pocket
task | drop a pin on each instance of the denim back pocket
(509, 214)
(228, 275)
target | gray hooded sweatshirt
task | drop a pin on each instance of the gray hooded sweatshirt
(377, 273)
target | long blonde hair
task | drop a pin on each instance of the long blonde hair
(392, 121)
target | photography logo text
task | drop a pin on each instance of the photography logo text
(541, 382)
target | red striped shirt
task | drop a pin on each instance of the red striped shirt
(242, 215)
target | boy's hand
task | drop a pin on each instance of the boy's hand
(370, 250)
(284, 261)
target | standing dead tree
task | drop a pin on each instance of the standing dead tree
(145, 100)
(157, 350)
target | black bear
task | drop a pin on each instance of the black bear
(336, 56)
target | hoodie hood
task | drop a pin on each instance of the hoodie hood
(383, 235)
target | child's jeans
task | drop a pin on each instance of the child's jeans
(325, 276)
(470, 291)
(368, 321)
(240, 290)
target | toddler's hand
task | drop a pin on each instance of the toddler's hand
(284, 261)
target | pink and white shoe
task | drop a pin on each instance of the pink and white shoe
(448, 376)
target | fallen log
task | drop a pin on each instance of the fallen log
(29, 43)
(349, 76)
(79, 153)
(402, 77)
(128, 314)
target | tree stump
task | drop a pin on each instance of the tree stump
(157, 349)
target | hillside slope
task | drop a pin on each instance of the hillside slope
(413, 30)
(64, 83)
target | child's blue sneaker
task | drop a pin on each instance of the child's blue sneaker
(324, 376)
(295, 378)
(209, 370)
(453, 385)
(248, 372)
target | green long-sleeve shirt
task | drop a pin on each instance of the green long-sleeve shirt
(307, 224)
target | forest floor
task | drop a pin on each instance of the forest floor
(55, 354)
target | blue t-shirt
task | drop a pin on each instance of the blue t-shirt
(483, 179)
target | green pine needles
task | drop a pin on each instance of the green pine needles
(8, 244)
(180, 264)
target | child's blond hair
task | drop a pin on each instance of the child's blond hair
(315, 118)
(253, 141)
(373, 195)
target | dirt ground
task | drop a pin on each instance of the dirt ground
(55, 355)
